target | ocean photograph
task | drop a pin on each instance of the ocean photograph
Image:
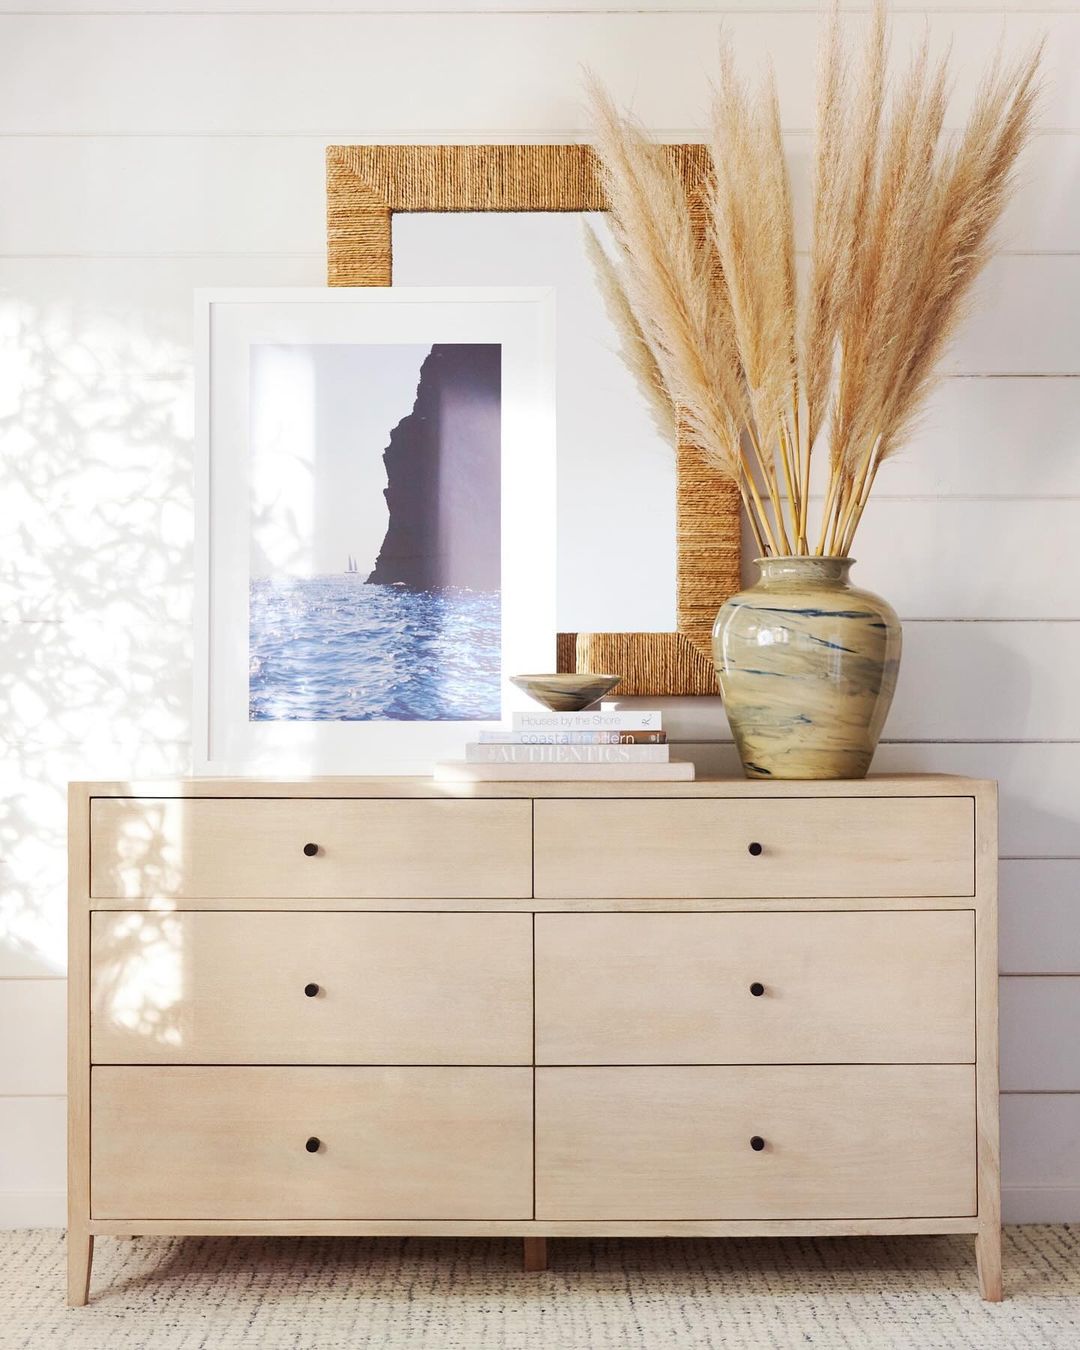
(376, 533)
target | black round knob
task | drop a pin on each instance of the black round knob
(757, 989)
(311, 849)
(313, 1144)
(753, 849)
(757, 1143)
(311, 990)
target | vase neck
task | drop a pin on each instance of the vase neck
(800, 571)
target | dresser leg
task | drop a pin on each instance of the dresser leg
(80, 1257)
(535, 1254)
(988, 1258)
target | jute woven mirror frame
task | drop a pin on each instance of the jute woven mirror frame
(367, 184)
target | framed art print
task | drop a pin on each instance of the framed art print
(376, 523)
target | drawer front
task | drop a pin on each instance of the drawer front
(882, 1141)
(231, 988)
(780, 988)
(220, 848)
(696, 847)
(220, 1143)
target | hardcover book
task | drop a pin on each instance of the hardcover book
(572, 737)
(597, 719)
(567, 754)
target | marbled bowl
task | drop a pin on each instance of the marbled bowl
(566, 693)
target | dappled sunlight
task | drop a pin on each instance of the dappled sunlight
(138, 966)
(139, 848)
(96, 584)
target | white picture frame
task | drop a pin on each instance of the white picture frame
(239, 731)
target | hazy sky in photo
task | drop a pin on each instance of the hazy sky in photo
(321, 417)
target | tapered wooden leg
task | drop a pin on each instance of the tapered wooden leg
(535, 1254)
(80, 1257)
(988, 1257)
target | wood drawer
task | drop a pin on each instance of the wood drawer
(810, 847)
(220, 988)
(231, 848)
(853, 987)
(229, 1143)
(841, 1142)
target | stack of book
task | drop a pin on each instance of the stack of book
(600, 744)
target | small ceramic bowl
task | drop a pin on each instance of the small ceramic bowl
(566, 693)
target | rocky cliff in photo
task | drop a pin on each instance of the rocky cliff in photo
(443, 476)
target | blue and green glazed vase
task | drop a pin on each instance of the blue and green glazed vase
(807, 665)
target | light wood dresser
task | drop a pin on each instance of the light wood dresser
(378, 1006)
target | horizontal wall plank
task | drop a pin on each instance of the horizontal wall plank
(1040, 1140)
(1040, 917)
(107, 194)
(33, 1209)
(1025, 673)
(1040, 1047)
(241, 73)
(1040, 808)
(989, 437)
(34, 1152)
(33, 1047)
(1040, 1204)
(965, 559)
(1019, 321)
(147, 195)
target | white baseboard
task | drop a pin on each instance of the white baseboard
(1021, 1204)
(1040, 1204)
(33, 1209)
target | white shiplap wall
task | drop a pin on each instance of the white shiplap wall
(148, 147)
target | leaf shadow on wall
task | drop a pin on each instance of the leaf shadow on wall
(95, 588)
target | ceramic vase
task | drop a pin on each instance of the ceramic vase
(807, 666)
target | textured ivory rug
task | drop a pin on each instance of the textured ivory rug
(470, 1294)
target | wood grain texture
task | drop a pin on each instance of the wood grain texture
(216, 849)
(80, 1252)
(808, 847)
(893, 987)
(390, 789)
(988, 1240)
(229, 988)
(660, 1142)
(229, 1143)
(539, 1227)
(563, 904)
(367, 184)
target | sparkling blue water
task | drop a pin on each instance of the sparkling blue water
(334, 649)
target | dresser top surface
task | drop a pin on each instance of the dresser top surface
(883, 785)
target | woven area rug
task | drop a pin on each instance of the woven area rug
(470, 1294)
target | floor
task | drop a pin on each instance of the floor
(470, 1294)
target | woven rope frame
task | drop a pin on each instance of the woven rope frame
(367, 184)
